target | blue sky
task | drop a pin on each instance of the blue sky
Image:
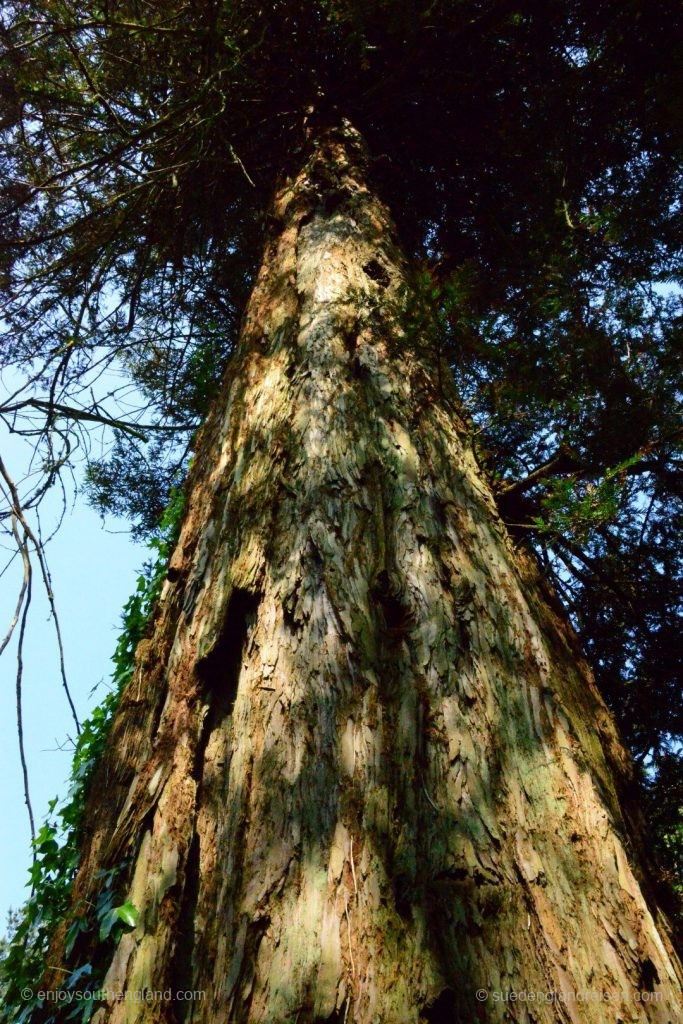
(94, 569)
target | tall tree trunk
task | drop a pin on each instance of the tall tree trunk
(362, 771)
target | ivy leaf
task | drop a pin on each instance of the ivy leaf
(108, 922)
(76, 926)
(129, 914)
(126, 913)
(80, 972)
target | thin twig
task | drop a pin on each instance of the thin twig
(237, 160)
(20, 718)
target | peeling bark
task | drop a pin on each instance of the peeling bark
(362, 771)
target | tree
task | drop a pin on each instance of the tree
(361, 769)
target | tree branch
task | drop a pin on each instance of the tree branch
(71, 412)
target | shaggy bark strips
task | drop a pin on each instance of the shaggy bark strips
(361, 770)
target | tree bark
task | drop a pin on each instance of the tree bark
(362, 771)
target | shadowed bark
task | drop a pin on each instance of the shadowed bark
(361, 771)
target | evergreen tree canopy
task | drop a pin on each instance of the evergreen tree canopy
(530, 153)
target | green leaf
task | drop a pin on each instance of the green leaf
(126, 913)
(81, 972)
(108, 922)
(77, 926)
(129, 914)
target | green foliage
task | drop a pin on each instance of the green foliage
(56, 846)
(671, 842)
(133, 480)
(13, 921)
(664, 802)
(575, 507)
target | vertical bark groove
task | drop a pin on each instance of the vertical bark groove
(380, 778)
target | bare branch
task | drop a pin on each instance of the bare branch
(21, 548)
